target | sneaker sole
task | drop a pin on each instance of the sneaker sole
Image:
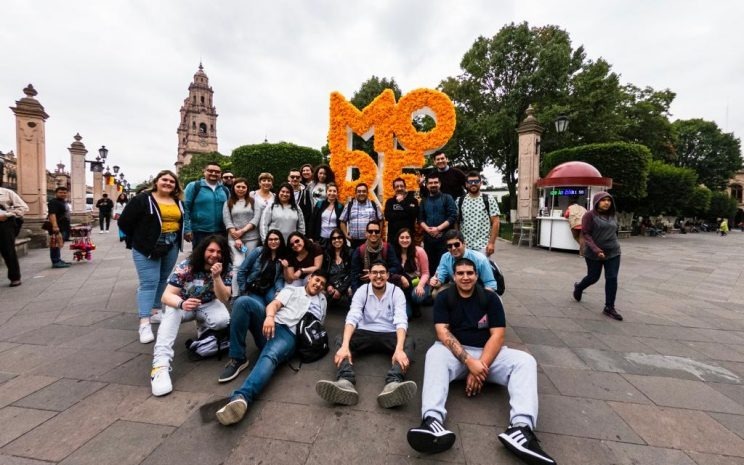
(526, 455)
(608, 315)
(231, 413)
(234, 375)
(402, 394)
(426, 441)
(334, 394)
(162, 391)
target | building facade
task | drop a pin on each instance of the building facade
(736, 191)
(197, 131)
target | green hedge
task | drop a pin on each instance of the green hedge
(249, 161)
(627, 165)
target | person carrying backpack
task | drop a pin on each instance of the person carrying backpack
(478, 216)
(204, 200)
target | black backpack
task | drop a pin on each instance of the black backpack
(312, 339)
(499, 277)
(461, 199)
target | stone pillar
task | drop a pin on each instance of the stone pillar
(529, 170)
(77, 181)
(31, 168)
(97, 186)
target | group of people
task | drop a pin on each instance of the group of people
(261, 261)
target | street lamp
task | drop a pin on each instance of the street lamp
(561, 124)
(103, 152)
(116, 169)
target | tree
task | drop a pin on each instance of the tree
(669, 189)
(195, 169)
(645, 115)
(722, 205)
(248, 161)
(714, 155)
(502, 76)
(698, 203)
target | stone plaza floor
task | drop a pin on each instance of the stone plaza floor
(665, 386)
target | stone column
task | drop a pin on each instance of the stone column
(31, 169)
(77, 180)
(529, 168)
(97, 186)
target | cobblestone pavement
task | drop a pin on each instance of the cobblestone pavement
(662, 387)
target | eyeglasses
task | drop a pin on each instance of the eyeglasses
(213, 171)
(378, 273)
(337, 238)
(454, 245)
(297, 242)
(228, 177)
(294, 177)
(373, 231)
(474, 181)
(361, 192)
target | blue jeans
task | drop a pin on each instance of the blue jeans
(153, 277)
(413, 299)
(273, 352)
(593, 272)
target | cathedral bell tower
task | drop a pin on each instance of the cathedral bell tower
(197, 132)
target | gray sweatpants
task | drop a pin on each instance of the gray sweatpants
(512, 368)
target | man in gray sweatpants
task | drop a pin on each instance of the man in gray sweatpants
(469, 323)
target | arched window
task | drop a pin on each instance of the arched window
(193, 125)
(737, 192)
(202, 100)
(202, 129)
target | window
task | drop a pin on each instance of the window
(737, 192)
(202, 100)
(202, 129)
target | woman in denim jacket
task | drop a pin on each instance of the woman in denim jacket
(261, 273)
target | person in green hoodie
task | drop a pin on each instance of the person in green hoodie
(602, 250)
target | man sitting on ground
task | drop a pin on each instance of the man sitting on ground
(273, 330)
(457, 248)
(469, 323)
(372, 250)
(376, 322)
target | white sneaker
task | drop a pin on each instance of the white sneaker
(160, 381)
(145, 333)
(156, 318)
(101, 231)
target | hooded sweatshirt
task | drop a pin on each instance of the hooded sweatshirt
(600, 230)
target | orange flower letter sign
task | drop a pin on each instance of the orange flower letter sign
(389, 122)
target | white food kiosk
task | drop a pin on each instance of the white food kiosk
(573, 179)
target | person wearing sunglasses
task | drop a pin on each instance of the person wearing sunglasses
(228, 178)
(375, 323)
(373, 249)
(337, 265)
(478, 216)
(303, 202)
(303, 258)
(456, 249)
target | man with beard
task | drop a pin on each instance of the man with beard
(375, 323)
(437, 215)
(375, 249)
(401, 210)
(478, 216)
(273, 329)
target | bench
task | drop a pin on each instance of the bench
(21, 246)
(623, 234)
(673, 230)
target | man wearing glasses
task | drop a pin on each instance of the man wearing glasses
(357, 213)
(302, 201)
(478, 216)
(227, 179)
(203, 202)
(376, 323)
(456, 249)
(372, 250)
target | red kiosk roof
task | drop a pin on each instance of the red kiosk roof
(574, 173)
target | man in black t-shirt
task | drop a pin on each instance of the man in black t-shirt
(401, 210)
(469, 324)
(59, 218)
(105, 206)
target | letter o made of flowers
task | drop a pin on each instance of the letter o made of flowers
(424, 101)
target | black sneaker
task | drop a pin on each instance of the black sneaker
(431, 437)
(522, 442)
(577, 292)
(232, 370)
(612, 313)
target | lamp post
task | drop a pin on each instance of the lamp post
(561, 124)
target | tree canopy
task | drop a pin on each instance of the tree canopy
(248, 161)
(195, 169)
(714, 155)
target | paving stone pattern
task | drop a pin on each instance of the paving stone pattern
(665, 386)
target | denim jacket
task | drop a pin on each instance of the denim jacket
(251, 268)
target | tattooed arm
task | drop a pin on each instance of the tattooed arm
(476, 367)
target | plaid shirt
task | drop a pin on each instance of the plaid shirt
(356, 216)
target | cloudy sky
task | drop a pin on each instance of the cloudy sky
(117, 72)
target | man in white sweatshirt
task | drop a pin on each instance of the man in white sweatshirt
(376, 322)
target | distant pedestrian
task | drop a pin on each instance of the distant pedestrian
(12, 209)
(59, 218)
(574, 214)
(724, 227)
(153, 225)
(602, 250)
(105, 207)
(119, 205)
